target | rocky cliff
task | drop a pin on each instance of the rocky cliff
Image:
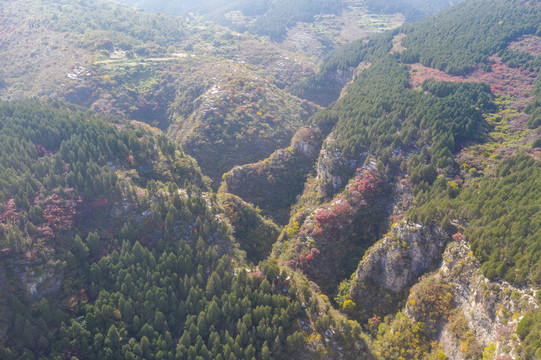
(470, 315)
(490, 310)
(461, 312)
(394, 264)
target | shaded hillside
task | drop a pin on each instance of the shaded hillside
(274, 183)
(239, 120)
(254, 233)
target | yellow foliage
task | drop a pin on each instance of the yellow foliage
(348, 304)
(314, 337)
(293, 229)
(490, 352)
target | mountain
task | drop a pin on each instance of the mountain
(171, 77)
(469, 52)
(413, 10)
(173, 188)
(104, 254)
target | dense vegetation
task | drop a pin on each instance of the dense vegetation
(392, 7)
(172, 302)
(272, 17)
(274, 183)
(284, 14)
(454, 41)
(534, 108)
(529, 331)
(149, 299)
(254, 233)
(413, 10)
(127, 263)
(468, 34)
(503, 215)
(60, 166)
(51, 155)
(130, 27)
(382, 116)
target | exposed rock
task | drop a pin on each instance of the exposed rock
(39, 286)
(492, 309)
(402, 256)
(460, 310)
(325, 89)
(307, 143)
(343, 77)
(392, 265)
(333, 171)
(346, 77)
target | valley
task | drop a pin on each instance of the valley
(270, 180)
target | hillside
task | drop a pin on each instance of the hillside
(276, 18)
(400, 113)
(173, 77)
(270, 180)
(113, 246)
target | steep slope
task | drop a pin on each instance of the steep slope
(254, 233)
(326, 242)
(390, 267)
(68, 176)
(274, 183)
(452, 173)
(112, 247)
(382, 118)
(241, 119)
(419, 219)
(191, 79)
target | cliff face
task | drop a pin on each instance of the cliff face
(325, 88)
(402, 256)
(463, 313)
(491, 309)
(394, 264)
(332, 170)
